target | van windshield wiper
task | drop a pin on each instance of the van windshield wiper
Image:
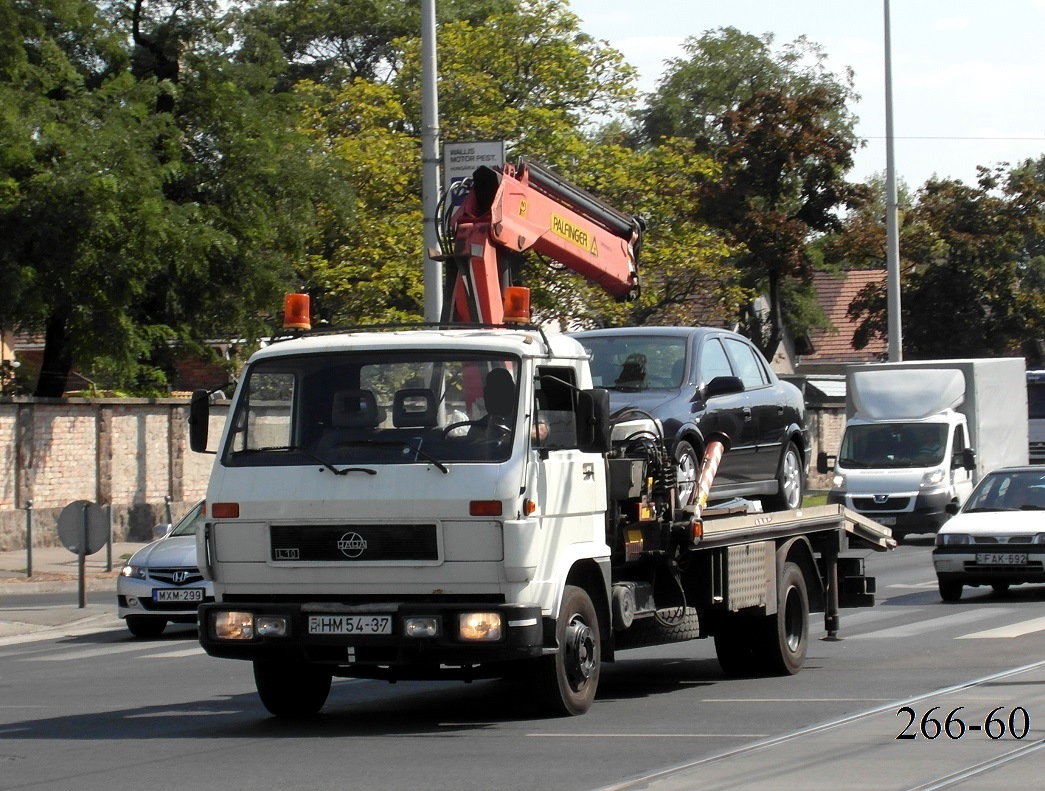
(401, 443)
(310, 454)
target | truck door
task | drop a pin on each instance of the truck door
(962, 479)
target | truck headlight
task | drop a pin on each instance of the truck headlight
(421, 626)
(479, 626)
(838, 482)
(933, 477)
(1039, 539)
(949, 539)
(230, 625)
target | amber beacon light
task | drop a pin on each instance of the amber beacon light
(296, 312)
(517, 305)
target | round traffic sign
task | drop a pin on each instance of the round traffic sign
(71, 527)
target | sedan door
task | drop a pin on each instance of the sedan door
(728, 413)
(769, 416)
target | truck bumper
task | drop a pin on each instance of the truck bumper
(921, 512)
(397, 639)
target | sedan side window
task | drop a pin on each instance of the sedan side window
(750, 370)
(713, 362)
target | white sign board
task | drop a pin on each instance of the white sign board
(460, 159)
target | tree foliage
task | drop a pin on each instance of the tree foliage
(969, 274)
(779, 125)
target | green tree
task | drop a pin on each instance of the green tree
(966, 289)
(527, 76)
(155, 190)
(778, 123)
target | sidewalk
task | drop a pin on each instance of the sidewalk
(56, 570)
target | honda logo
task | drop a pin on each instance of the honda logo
(180, 577)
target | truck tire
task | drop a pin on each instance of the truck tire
(786, 633)
(654, 631)
(789, 482)
(291, 689)
(565, 682)
(145, 626)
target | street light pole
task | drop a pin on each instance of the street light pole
(892, 209)
(430, 188)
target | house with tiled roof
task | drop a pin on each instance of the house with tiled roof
(831, 349)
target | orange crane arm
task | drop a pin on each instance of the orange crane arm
(508, 211)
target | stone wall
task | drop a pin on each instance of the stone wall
(133, 453)
(130, 454)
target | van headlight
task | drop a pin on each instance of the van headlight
(838, 481)
(933, 477)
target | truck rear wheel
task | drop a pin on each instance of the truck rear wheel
(772, 645)
(786, 636)
(291, 689)
(566, 682)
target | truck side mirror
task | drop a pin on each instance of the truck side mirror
(822, 465)
(199, 420)
(593, 420)
(968, 459)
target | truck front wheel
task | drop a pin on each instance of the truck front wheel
(291, 689)
(566, 682)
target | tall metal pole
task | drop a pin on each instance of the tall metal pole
(892, 209)
(430, 187)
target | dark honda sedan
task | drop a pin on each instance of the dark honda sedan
(698, 381)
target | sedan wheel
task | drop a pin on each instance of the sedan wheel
(686, 469)
(789, 482)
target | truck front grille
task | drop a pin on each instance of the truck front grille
(354, 543)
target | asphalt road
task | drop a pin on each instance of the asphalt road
(107, 711)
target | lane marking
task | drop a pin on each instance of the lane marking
(191, 651)
(1012, 630)
(933, 624)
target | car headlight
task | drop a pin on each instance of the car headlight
(134, 572)
(838, 481)
(1039, 539)
(949, 539)
(933, 477)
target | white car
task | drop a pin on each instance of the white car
(997, 538)
(161, 582)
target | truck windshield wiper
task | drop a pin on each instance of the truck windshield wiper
(401, 443)
(311, 455)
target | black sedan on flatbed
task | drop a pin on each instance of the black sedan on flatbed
(700, 381)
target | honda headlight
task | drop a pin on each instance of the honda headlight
(134, 572)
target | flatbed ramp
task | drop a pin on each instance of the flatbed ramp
(862, 533)
(866, 751)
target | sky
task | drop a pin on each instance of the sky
(968, 75)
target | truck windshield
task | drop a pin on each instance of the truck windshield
(893, 445)
(371, 408)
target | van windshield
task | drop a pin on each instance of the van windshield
(893, 445)
(367, 408)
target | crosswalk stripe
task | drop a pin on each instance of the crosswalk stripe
(943, 622)
(193, 651)
(66, 656)
(1012, 630)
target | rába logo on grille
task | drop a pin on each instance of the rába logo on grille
(352, 545)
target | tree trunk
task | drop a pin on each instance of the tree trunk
(57, 360)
